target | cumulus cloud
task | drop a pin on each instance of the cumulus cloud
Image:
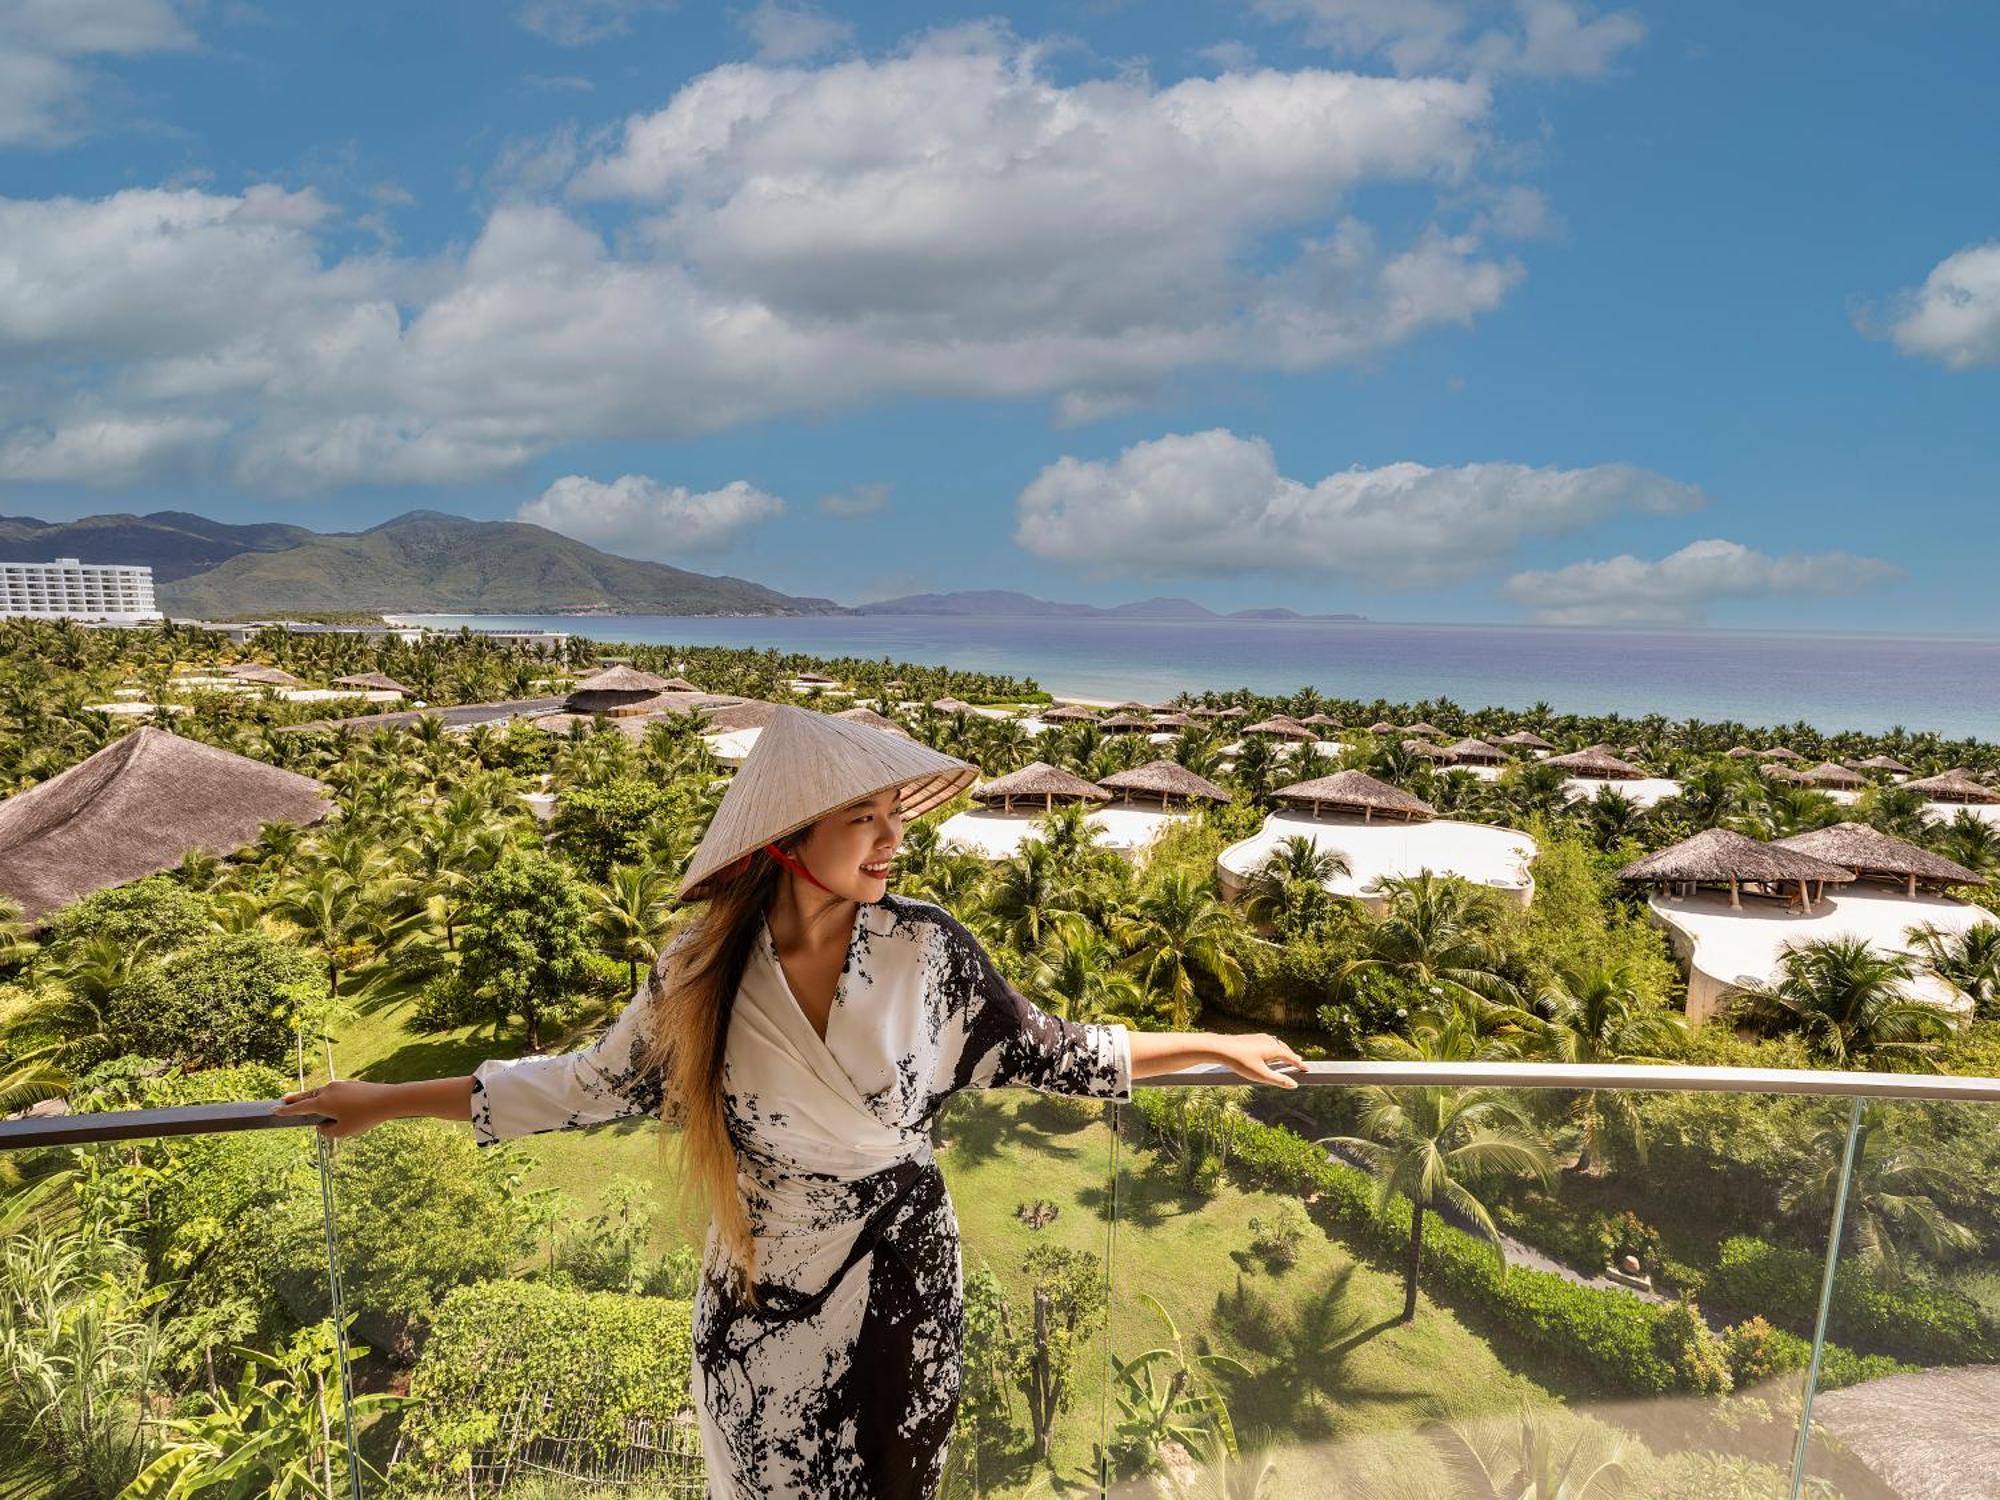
(784, 33)
(636, 516)
(852, 505)
(1954, 317)
(109, 450)
(1679, 588)
(45, 48)
(947, 221)
(1213, 503)
(1536, 38)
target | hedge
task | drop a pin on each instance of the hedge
(586, 1362)
(1916, 1323)
(1614, 1339)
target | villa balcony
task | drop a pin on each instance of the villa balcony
(1205, 1287)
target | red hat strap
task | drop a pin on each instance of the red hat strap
(798, 868)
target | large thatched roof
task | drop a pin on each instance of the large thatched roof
(1475, 751)
(1869, 851)
(1131, 706)
(1423, 727)
(1354, 790)
(1883, 763)
(1040, 782)
(1321, 721)
(1779, 752)
(137, 807)
(1127, 724)
(1953, 786)
(1174, 719)
(1597, 763)
(381, 682)
(1717, 855)
(1164, 778)
(264, 676)
(1528, 739)
(1426, 750)
(1830, 773)
(872, 719)
(622, 679)
(1064, 713)
(1382, 726)
(1280, 726)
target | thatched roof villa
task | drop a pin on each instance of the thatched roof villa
(1597, 763)
(136, 807)
(1127, 723)
(615, 691)
(1887, 763)
(1383, 726)
(1038, 782)
(1425, 730)
(873, 720)
(1831, 776)
(1161, 782)
(1473, 751)
(1425, 750)
(1779, 752)
(1955, 785)
(380, 682)
(1382, 832)
(1527, 739)
(1740, 752)
(1830, 879)
(1068, 713)
(1280, 727)
(1010, 808)
(1595, 768)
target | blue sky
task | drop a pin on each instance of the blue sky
(1434, 309)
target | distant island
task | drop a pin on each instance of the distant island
(431, 562)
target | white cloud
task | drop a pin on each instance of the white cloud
(1954, 317)
(578, 23)
(45, 82)
(1536, 38)
(1212, 503)
(1679, 588)
(947, 221)
(109, 450)
(787, 33)
(636, 516)
(852, 505)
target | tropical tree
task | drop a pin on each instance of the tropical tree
(1972, 841)
(1433, 1146)
(631, 909)
(1845, 1000)
(1531, 1459)
(1968, 961)
(1593, 1013)
(1439, 934)
(1289, 892)
(1075, 974)
(1178, 936)
(1892, 1196)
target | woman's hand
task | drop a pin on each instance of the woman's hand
(1254, 1055)
(350, 1106)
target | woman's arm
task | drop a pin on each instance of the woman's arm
(1252, 1055)
(352, 1106)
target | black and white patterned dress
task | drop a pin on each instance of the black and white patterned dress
(845, 1383)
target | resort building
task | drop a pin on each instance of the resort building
(138, 806)
(1150, 799)
(1730, 904)
(1953, 792)
(1382, 832)
(1010, 807)
(66, 589)
(1595, 767)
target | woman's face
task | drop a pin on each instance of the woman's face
(849, 850)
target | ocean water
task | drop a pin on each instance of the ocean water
(1947, 685)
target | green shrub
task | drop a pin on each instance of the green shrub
(1277, 1236)
(156, 911)
(222, 1000)
(1700, 1358)
(1924, 1323)
(585, 1364)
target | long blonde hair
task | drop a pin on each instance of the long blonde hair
(695, 995)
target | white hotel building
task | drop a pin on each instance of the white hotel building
(66, 589)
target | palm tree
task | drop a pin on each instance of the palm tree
(1972, 841)
(1893, 809)
(1025, 894)
(1891, 1197)
(1433, 1146)
(330, 907)
(1176, 936)
(1846, 1001)
(1437, 934)
(1968, 961)
(1534, 1461)
(631, 907)
(1594, 1014)
(1612, 817)
(1289, 892)
(1075, 975)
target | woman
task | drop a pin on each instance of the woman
(803, 1033)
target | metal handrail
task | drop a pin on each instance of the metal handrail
(197, 1119)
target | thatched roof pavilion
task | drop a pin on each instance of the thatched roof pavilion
(136, 807)
(1883, 763)
(1953, 786)
(1428, 730)
(1122, 723)
(1427, 751)
(1773, 771)
(1282, 727)
(816, 679)
(1131, 706)
(1383, 726)
(1038, 782)
(1526, 739)
(615, 690)
(1721, 856)
(1740, 752)
(873, 720)
(1067, 713)
(1597, 764)
(1869, 852)
(1320, 721)
(1779, 752)
(264, 676)
(1830, 774)
(950, 705)
(1162, 781)
(1207, 713)
(1472, 751)
(1174, 719)
(1352, 792)
(1234, 711)
(380, 682)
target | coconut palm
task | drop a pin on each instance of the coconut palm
(1612, 818)
(1530, 1459)
(1433, 1146)
(1592, 1013)
(1289, 892)
(1177, 937)
(1968, 961)
(1893, 809)
(630, 910)
(1972, 841)
(1075, 975)
(1439, 934)
(1025, 894)
(1892, 1196)
(1846, 1002)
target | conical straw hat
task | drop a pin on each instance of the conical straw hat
(804, 766)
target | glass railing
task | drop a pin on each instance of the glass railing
(1687, 1283)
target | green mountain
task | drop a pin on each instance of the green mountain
(429, 561)
(172, 542)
